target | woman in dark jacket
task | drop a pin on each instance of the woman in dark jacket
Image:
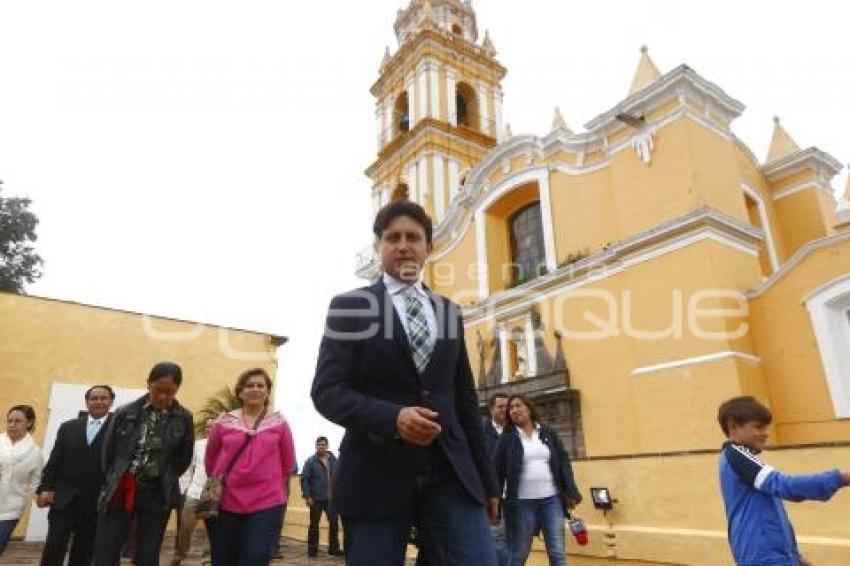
(147, 447)
(534, 469)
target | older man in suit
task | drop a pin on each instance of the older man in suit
(393, 370)
(71, 481)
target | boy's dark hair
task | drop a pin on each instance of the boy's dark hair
(741, 410)
(494, 397)
(166, 369)
(322, 439)
(398, 208)
(108, 389)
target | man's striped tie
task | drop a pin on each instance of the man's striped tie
(419, 335)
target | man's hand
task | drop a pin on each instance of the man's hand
(493, 510)
(45, 499)
(571, 503)
(309, 501)
(417, 425)
(804, 562)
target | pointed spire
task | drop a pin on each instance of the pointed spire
(781, 144)
(386, 59)
(428, 16)
(558, 122)
(646, 73)
(487, 45)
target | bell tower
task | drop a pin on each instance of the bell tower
(438, 105)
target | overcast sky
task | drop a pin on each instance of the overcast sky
(204, 159)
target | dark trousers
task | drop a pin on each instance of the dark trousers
(78, 518)
(244, 539)
(316, 511)
(454, 527)
(113, 529)
(276, 543)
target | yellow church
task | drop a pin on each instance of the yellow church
(630, 277)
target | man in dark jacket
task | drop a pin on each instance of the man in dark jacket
(147, 448)
(317, 489)
(393, 370)
(71, 480)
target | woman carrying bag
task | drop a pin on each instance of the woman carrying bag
(535, 470)
(250, 451)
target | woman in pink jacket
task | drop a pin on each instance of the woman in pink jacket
(252, 501)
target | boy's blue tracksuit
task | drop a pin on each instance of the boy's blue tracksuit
(760, 533)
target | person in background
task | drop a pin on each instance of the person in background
(535, 470)
(317, 478)
(71, 480)
(253, 496)
(494, 425)
(194, 479)
(21, 462)
(148, 446)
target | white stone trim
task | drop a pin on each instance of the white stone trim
(412, 94)
(546, 219)
(434, 81)
(530, 347)
(819, 161)
(439, 188)
(451, 96)
(389, 122)
(808, 249)
(828, 308)
(454, 179)
(422, 183)
(422, 91)
(802, 186)
(613, 261)
(413, 182)
(481, 255)
(498, 101)
(379, 123)
(767, 227)
(504, 354)
(484, 107)
(697, 360)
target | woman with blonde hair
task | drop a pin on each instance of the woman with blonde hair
(253, 449)
(21, 462)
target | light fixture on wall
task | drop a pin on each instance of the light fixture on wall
(602, 498)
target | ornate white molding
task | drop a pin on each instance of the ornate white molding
(801, 254)
(813, 158)
(828, 309)
(704, 224)
(697, 360)
(815, 184)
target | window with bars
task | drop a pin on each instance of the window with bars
(527, 252)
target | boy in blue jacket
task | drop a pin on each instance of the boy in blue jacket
(760, 533)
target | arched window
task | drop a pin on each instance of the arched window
(466, 104)
(527, 252)
(829, 309)
(401, 114)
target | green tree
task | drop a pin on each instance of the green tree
(19, 263)
(223, 401)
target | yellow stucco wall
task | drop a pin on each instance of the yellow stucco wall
(785, 340)
(43, 340)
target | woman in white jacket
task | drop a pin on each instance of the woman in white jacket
(20, 468)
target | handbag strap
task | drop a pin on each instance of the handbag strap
(248, 438)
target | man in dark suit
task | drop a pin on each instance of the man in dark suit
(393, 370)
(71, 480)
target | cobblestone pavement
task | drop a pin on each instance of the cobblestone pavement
(294, 553)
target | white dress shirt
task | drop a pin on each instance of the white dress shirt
(397, 290)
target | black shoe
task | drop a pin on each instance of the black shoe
(312, 553)
(336, 552)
